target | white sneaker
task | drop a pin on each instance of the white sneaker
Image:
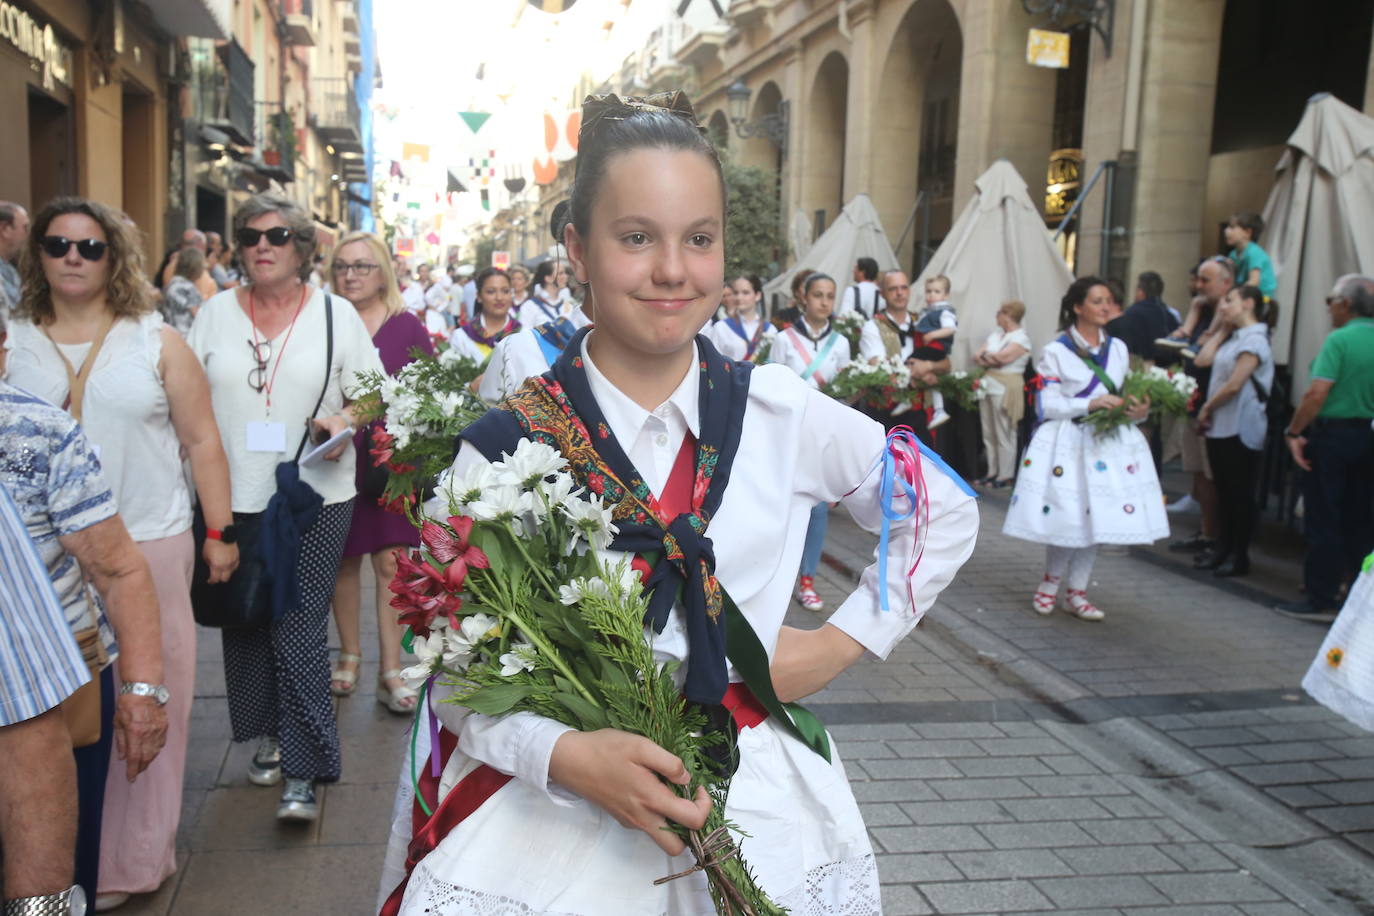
(937, 418)
(1185, 506)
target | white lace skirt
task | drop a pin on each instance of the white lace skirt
(519, 853)
(1076, 489)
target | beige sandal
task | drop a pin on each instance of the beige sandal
(343, 681)
(400, 700)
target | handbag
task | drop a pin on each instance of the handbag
(245, 600)
(374, 477)
(81, 710)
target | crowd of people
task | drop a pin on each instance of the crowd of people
(148, 420)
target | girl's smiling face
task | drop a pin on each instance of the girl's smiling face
(745, 297)
(495, 296)
(653, 252)
(1096, 309)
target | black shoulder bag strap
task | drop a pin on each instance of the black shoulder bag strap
(328, 371)
(1259, 389)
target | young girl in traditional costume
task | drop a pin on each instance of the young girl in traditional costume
(1077, 489)
(816, 352)
(493, 321)
(739, 336)
(724, 460)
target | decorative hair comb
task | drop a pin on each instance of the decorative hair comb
(598, 109)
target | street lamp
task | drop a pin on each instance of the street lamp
(771, 126)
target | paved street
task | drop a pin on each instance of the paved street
(1162, 761)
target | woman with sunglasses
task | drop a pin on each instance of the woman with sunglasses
(264, 346)
(87, 337)
(362, 274)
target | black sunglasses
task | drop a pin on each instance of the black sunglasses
(57, 246)
(277, 236)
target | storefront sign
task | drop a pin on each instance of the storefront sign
(1062, 182)
(500, 260)
(39, 43)
(1047, 49)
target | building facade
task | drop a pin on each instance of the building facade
(85, 95)
(1188, 102)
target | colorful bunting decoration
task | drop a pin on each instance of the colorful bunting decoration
(474, 119)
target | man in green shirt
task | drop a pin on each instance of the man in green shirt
(1331, 437)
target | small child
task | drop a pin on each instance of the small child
(1253, 266)
(936, 325)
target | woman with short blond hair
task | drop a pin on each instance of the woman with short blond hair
(1004, 355)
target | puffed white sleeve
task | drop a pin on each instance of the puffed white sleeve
(847, 468)
(1055, 402)
(518, 744)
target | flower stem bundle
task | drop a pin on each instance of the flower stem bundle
(513, 608)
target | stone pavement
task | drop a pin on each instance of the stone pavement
(1162, 761)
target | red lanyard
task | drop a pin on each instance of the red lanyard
(253, 317)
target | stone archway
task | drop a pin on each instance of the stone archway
(718, 128)
(822, 175)
(915, 133)
(760, 150)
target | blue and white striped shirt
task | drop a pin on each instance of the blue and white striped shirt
(40, 665)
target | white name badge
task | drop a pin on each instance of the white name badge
(266, 437)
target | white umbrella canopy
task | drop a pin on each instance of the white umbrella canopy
(998, 249)
(1320, 219)
(857, 232)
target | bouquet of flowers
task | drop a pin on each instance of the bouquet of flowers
(851, 325)
(1168, 390)
(510, 604)
(415, 415)
(877, 384)
(961, 386)
(762, 351)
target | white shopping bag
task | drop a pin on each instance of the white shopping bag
(1341, 677)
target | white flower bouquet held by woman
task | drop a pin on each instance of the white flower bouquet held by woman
(1168, 392)
(511, 603)
(417, 413)
(961, 386)
(851, 325)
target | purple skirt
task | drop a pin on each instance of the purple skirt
(373, 527)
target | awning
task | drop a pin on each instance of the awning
(192, 18)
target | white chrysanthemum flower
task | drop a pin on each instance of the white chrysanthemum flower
(472, 632)
(468, 487)
(521, 657)
(578, 589)
(531, 463)
(590, 521)
(558, 489)
(500, 503)
(626, 580)
(434, 652)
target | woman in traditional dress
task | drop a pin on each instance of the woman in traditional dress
(1078, 489)
(747, 452)
(740, 335)
(816, 352)
(361, 273)
(493, 320)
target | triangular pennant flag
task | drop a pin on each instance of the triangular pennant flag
(486, 200)
(474, 119)
(454, 185)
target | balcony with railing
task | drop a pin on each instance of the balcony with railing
(298, 22)
(335, 115)
(222, 88)
(277, 146)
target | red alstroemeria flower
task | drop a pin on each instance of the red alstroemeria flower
(452, 547)
(399, 505)
(382, 442)
(423, 592)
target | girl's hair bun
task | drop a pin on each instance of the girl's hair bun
(559, 220)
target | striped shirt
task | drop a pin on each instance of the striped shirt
(40, 665)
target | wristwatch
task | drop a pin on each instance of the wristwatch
(140, 689)
(1289, 434)
(229, 534)
(71, 902)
